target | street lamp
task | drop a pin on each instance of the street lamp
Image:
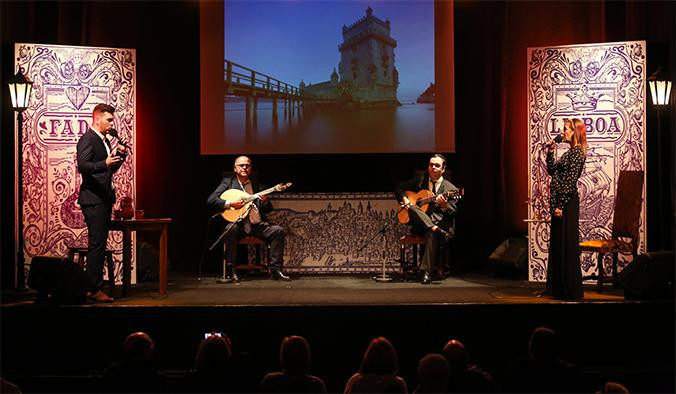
(660, 91)
(660, 88)
(20, 91)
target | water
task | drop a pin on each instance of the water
(408, 128)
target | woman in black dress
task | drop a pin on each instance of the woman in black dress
(564, 277)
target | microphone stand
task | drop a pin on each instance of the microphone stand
(228, 228)
(381, 231)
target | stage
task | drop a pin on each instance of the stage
(189, 289)
(339, 315)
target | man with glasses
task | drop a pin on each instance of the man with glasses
(253, 224)
(437, 224)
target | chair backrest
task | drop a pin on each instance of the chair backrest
(628, 206)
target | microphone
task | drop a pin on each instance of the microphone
(557, 140)
(113, 133)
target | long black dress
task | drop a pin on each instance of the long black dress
(564, 277)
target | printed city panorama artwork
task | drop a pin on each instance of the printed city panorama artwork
(329, 77)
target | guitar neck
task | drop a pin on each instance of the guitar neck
(428, 200)
(261, 193)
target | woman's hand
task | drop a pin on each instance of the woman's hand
(558, 213)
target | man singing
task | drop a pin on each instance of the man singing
(97, 161)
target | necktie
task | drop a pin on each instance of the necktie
(254, 215)
(434, 186)
(110, 149)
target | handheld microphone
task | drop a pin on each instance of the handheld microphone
(114, 133)
(557, 140)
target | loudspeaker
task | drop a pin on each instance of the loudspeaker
(510, 257)
(58, 280)
(649, 277)
(148, 262)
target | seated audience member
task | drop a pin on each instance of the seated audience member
(294, 355)
(8, 387)
(614, 387)
(433, 374)
(212, 366)
(465, 377)
(136, 372)
(378, 371)
(543, 371)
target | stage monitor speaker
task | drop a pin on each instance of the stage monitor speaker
(57, 280)
(649, 277)
(510, 258)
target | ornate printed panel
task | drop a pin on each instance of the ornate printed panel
(324, 232)
(67, 83)
(604, 85)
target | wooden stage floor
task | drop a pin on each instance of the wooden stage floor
(255, 290)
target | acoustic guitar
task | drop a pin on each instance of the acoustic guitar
(423, 198)
(233, 195)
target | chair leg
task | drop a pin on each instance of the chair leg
(266, 256)
(402, 257)
(615, 285)
(414, 251)
(601, 273)
(258, 255)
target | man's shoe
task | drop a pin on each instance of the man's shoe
(99, 296)
(426, 280)
(279, 275)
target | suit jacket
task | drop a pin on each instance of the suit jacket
(231, 182)
(442, 217)
(96, 187)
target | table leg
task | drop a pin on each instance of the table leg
(126, 262)
(163, 261)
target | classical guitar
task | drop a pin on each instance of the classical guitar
(232, 214)
(423, 198)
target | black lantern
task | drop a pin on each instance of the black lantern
(20, 91)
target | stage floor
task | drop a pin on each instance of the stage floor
(255, 290)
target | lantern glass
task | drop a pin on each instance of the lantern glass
(20, 91)
(660, 92)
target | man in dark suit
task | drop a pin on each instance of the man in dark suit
(438, 224)
(97, 160)
(253, 224)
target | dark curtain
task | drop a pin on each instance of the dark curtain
(491, 38)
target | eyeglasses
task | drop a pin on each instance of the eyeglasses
(243, 165)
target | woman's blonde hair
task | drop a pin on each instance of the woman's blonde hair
(579, 134)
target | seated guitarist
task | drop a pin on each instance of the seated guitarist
(253, 224)
(437, 224)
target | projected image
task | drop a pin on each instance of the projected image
(329, 77)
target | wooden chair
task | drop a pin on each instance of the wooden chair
(81, 260)
(417, 245)
(625, 225)
(262, 256)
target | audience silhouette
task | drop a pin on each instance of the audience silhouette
(136, 372)
(378, 371)
(433, 374)
(294, 356)
(543, 371)
(465, 377)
